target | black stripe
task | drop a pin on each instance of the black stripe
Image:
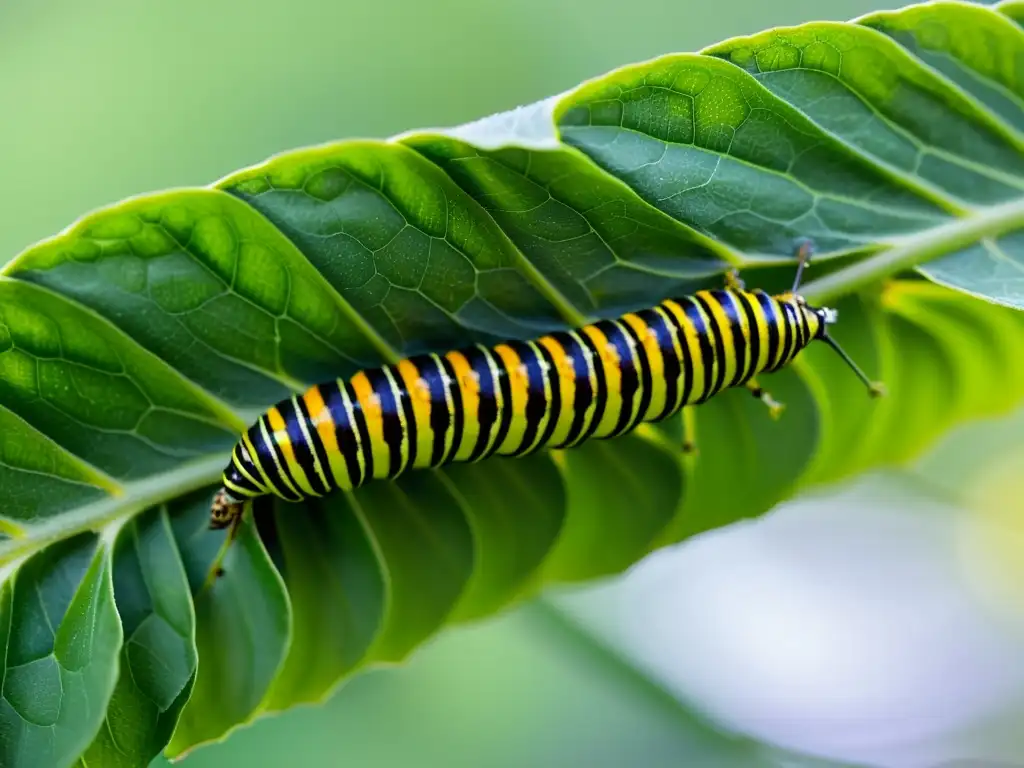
(331, 395)
(240, 478)
(487, 414)
(440, 416)
(411, 427)
(719, 345)
(601, 393)
(364, 433)
(739, 337)
(629, 377)
(536, 401)
(772, 320)
(753, 335)
(583, 393)
(806, 328)
(685, 360)
(644, 367)
(391, 421)
(267, 459)
(788, 334)
(664, 331)
(458, 411)
(317, 446)
(286, 468)
(300, 445)
(704, 339)
(555, 401)
(505, 386)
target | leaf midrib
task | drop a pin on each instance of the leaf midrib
(136, 496)
(165, 486)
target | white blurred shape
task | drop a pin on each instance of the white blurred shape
(838, 626)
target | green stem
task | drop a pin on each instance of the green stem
(137, 496)
(917, 249)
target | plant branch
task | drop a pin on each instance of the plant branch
(917, 249)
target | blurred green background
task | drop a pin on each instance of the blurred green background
(111, 98)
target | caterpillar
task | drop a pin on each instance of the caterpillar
(518, 397)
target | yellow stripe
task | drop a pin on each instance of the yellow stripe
(634, 405)
(317, 467)
(449, 403)
(273, 455)
(246, 444)
(723, 329)
(246, 441)
(743, 365)
(236, 491)
(761, 329)
(710, 334)
(284, 442)
(565, 375)
(655, 363)
(322, 421)
(518, 383)
(678, 353)
(465, 380)
(692, 349)
(592, 376)
(545, 417)
(396, 394)
(369, 402)
(608, 359)
(356, 435)
(499, 398)
(419, 395)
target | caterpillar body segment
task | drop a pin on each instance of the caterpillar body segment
(593, 382)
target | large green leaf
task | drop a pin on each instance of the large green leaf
(137, 344)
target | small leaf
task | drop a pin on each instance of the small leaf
(516, 510)
(242, 633)
(158, 659)
(913, 116)
(337, 592)
(421, 535)
(62, 637)
(614, 511)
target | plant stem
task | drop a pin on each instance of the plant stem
(917, 249)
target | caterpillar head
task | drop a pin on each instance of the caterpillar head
(818, 320)
(225, 510)
(824, 316)
(242, 480)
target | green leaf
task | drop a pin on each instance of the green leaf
(243, 625)
(337, 593)
(138, 343)
(62, 639)
(158, 658)
(929, 95)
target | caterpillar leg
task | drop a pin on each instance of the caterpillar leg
(224, 513)
(689, 446)
(733, 282)
(775, 408)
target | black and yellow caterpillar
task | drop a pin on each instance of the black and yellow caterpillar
(598, 381)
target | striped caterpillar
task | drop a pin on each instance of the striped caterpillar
(594, 382)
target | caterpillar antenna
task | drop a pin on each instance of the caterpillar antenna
(804, 250)
(875, 389)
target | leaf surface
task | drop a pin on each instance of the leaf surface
(137, 344)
